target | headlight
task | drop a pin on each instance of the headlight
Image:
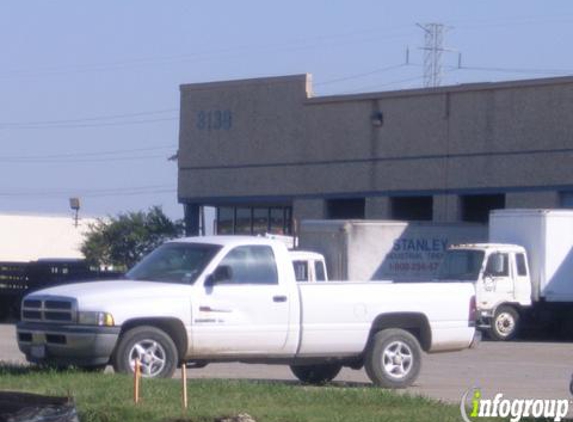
(95, 318)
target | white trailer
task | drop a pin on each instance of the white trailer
(29, 237)
(525, 272)
(384, 249)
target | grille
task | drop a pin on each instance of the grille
(48, 310)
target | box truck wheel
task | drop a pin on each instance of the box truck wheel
(393, 359)
(153, 347)
(316, 374)
(505, 323)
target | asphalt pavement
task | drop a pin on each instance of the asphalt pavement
(528, 370)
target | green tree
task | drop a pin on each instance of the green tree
(123, 240)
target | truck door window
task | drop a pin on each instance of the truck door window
(319, 271)
(521, 266)
(498, 265)
(252, 265)
(300, 270)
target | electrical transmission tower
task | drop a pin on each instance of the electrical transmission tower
(433, 49)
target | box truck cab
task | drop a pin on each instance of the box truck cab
(526, 271)
(501, 276)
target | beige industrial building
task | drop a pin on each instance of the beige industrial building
(267, 153)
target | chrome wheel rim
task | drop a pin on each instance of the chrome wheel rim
(151, 356)
(505, 324)
(397, 359)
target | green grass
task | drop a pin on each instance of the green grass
(109, 397)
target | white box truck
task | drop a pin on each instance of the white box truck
(384, 249)
(524, 273)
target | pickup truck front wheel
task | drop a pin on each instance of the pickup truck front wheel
(316, 374)
(155, 350)
(394, 359)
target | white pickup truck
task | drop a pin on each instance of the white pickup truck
(213, 299)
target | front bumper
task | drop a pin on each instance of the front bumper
(484, 319)
(59, 344)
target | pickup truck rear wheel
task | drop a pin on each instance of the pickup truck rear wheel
(505, 323)
(394, 358)
(153, 347)
(316, 374)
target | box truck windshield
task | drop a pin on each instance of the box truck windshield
(460, 264)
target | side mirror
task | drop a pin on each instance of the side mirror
(222, 274)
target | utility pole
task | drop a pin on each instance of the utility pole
(433, 49)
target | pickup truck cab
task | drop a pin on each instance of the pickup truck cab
(227, 298)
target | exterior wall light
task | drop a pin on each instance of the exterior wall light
(75, 206)
(377, 119)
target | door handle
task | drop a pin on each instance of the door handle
(279, 299)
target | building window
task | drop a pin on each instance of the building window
(566, 199)
(412, 208)
(344, 209)
(225, 220)
(278, 221)
(260, 221)
(244, 221)
(254, 220)
(476, 208)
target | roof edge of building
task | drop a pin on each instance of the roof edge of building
(469, 87)
(302, 78)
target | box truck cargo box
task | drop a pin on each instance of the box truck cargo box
(383, 249)
(547, 236)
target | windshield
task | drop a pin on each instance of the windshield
(461, 265)
(174, 262)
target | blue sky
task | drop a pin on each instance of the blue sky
(89, 91)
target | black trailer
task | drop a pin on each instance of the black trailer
(20, 278)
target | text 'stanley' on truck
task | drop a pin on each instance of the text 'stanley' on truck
(210, 299)
(524, 272)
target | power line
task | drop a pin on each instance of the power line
(92, 193)
(386, 84)
(89, 119)
(370, 87)
(85, 160)
(156, 191)
(516, 70)
(479, 24)
(85, 154)
(295, 44)
(360, 75)
(85, 125)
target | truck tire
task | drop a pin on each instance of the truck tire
(394, 358)
(505, 323)
(316, 374)
(153, 347)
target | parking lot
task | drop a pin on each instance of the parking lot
(516, 369)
